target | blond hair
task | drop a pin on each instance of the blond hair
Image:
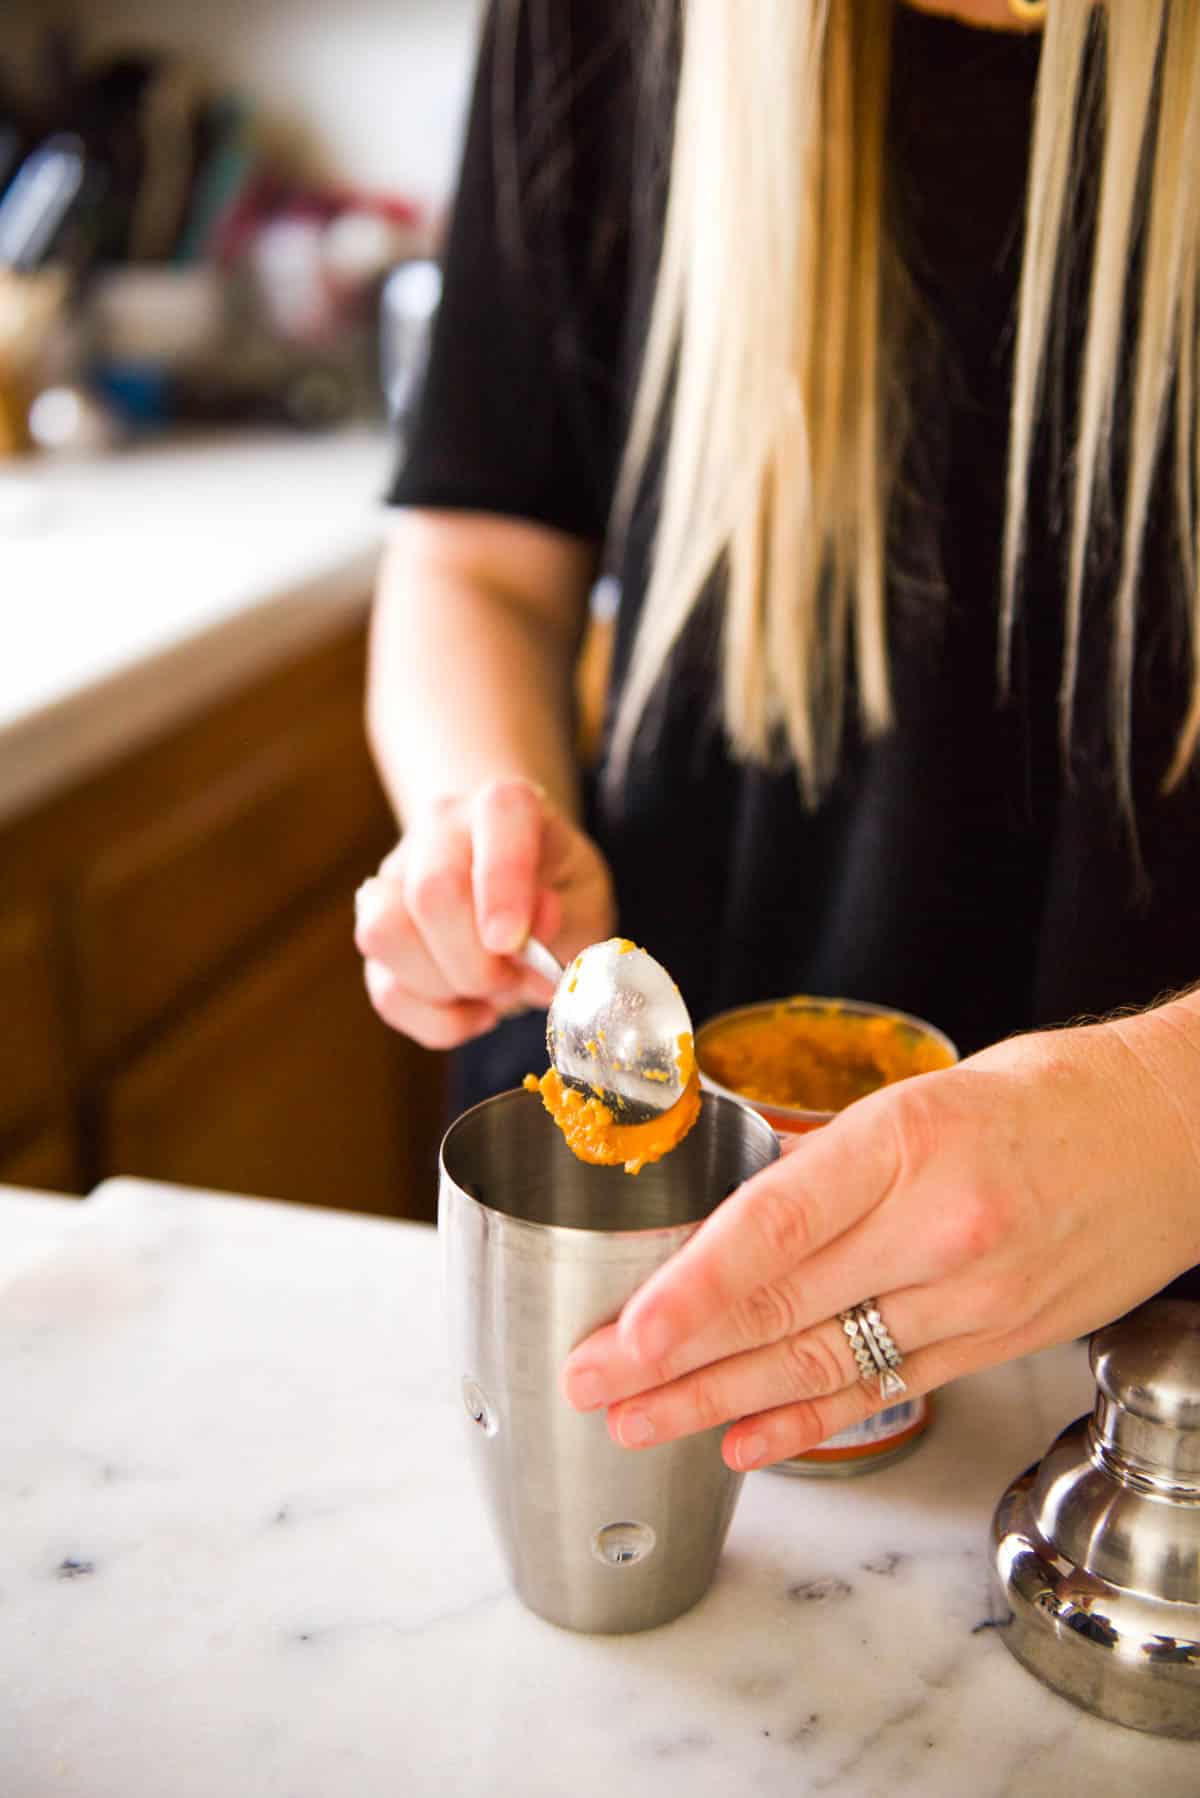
(771, 357)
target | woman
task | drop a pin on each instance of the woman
(852, 341)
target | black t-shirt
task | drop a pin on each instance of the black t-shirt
(958, 868)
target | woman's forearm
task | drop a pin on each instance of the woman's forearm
(474, 639)
(1165, 1040)
(470, 709)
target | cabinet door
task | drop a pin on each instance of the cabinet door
(163, 905)
(286, 1085)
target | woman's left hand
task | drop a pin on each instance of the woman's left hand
(1023, 1198)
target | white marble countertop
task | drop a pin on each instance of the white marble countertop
(243, 1555)
(138, 586)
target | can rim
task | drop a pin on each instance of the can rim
(815, 1002)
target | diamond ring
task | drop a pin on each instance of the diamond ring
(874, 1351)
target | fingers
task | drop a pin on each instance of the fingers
(813, 1365)
(467, 870)
(707, 1383)
(793, 1429)
(606, 1368)
(387, 931)
(437, 891)
(807, 1366)
(506, 822)
(436, 1026)
(451, 905)
(801, 1372)
(788, 1398)
(771, 1226)
(808, 1385)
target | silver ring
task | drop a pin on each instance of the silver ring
(874, 1351)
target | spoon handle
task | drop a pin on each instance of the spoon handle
(536, 956)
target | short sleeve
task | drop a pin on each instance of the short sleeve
(521, 411)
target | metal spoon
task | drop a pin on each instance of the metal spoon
(614, 1026)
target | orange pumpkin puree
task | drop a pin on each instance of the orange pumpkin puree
(593, 1133)
(815, 1059)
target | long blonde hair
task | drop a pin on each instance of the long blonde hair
(782, 378)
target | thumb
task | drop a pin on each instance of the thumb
(506, 822)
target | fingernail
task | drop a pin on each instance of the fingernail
(583, 1390)
(504, 933)
(750, 1451)
(635, 1430)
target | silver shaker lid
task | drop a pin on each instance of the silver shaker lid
(1096, 1548)
(1147, 1369)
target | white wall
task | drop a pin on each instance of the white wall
(380, 84)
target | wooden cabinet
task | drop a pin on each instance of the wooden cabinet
(179, 992)
(284, 1082)
(47, 1161)
(32, 1022)
(222, 864)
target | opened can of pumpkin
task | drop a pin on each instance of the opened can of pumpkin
(798, 1062)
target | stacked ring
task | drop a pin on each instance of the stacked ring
(875, 1352)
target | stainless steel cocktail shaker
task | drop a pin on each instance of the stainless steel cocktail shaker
(539, 1249)
(1097, 1548)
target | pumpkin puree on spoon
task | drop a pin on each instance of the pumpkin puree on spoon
(593, 1133)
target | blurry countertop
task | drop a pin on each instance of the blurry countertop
(138, 587)
(242, 1544)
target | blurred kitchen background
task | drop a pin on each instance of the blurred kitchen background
(218, 236)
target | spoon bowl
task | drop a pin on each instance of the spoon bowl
(617, 1027)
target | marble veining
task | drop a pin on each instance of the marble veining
(242, 1554)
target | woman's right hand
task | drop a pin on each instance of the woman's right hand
(472, 878)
